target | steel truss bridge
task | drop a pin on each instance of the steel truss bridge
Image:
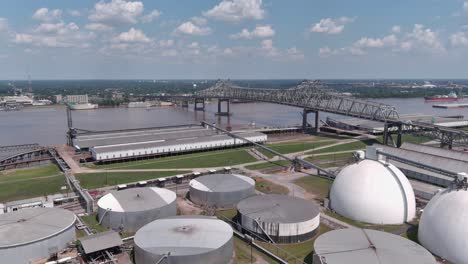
(315, 97)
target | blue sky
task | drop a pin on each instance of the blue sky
(184, 39)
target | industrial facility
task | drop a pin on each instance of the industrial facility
(221, 190)
(130, 209)
(185, 239)
(365, 246)
(32, 234)
(442, 228)
(279, 218)
(373, 191)
(121, 145)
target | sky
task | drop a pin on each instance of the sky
(237, 39)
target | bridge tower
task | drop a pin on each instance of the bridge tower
(71, 130)
(387, 135)
(199, 101)
(220, 112)
(305, 123)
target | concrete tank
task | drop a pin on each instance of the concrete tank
(284, 219)
(130, 209)
(185, 239)
(221, 190)
(36, 233)
(365, 246)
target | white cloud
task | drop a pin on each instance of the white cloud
(189, 28)
(166, 43)
(74, 13)
(331, 26)
(193, 45)
(151, 16)
(325, 51)
(459, 39)
(116, 11)
(98, 27)
(3, 24)
(236, 10)
(365, 42)
(396, 29)
(424, 39)
(268, 48)
(57, 28)
(63, 38)
(43, 14)
(259, 32)
(200, 21)
(132, 36)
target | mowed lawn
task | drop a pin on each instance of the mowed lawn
(28, 183)
(357, 145)
(218, 158)
(292, 147)
(101, 179)
(314, 185)
(268, 164)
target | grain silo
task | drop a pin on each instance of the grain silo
(281, 218)
(36, 233)
(365, 246)
(443, 225)
(128, 210)
(373, 191)
(221, 190)
(184, 239)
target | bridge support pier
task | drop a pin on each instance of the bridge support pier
(305, 123)
(199, 101)
(220, 112)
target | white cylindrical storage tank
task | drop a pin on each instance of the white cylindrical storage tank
(281, 218)
(221, 190)
(373, 192)
(128, 210)
(185, 239)
(366, 246)
(443, 225)
(36, 233)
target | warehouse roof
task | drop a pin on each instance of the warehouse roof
(172, 142)
(222, 182)
(276, 208)
(34, 224)
(353, 245)
(137, 199)
(441, 152)
(100, 241)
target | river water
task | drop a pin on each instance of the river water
(48, 125)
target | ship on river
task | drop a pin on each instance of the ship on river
(85, 106)
(451, 97)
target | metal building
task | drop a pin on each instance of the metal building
(36, 233)
(184, 239)
(373, 191)
(128, 210)
(443, 225)
(365, 246)
(221, 190)
(281, 218)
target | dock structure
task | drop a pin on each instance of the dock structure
(447, 106)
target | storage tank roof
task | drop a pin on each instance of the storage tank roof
(364, 246)
(34, 224)
(137, 199)
(276, 208)
(222, 183)
(183, 235)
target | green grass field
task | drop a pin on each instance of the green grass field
(197, 160)
(265, 165)
(92, 222)
(294, 253)
(331, 156)
(385, 228)
(409, 138)
(314, 185)
(266, 186)
(28, 183)
(295, 146)
(101, 179)
(344, 147)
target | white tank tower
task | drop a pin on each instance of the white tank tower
(373, 191)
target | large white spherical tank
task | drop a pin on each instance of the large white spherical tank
(443, 228)
(285, 219)
(221, 190)
(373, 192)
(185, 239)
(36, 233)
(128, 210)
(354, 245)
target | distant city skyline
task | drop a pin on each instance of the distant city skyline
(237, 39)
